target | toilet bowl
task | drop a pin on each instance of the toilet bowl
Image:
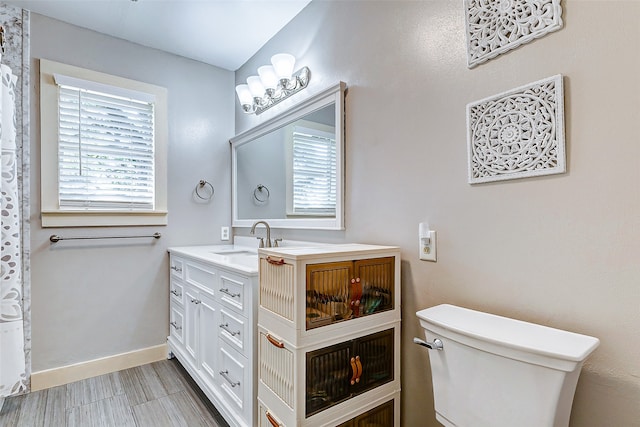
(493, 371)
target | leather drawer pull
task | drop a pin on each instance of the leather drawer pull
(275, 342)
(275, 261)
(272, 420)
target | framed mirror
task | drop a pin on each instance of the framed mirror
(289, 170)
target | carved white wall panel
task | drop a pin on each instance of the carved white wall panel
(517, 134)
(496, 26)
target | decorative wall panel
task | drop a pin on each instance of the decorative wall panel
(517, 134)
(497, 26)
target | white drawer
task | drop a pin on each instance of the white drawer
(234, 292)
(176, 291)
(266, 417)
(176, 322)
(234, 330)
(176, 267)
(201, 275)
(235, 381)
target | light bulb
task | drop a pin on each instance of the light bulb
(244, 94)
(268, 77)
(283, 64)
(255, 86)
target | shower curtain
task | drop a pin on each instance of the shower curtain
(13, 376)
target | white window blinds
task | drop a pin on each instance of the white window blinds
(314, 172)
(105, 147)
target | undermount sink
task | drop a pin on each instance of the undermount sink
(232, 252)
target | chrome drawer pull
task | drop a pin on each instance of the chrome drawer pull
(226, 291)
(195, 301)
(225, 375)
(435, 345)
(173, 291)
(175, 326)
(178, 269)
(225, 326)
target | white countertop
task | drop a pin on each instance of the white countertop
(242, 259)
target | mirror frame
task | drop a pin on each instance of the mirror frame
(333, 95)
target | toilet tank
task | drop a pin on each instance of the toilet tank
(494, 371)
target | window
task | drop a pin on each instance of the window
(313, 170)
(103, 149)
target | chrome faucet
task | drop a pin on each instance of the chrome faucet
(253, 231)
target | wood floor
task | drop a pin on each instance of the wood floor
(160, 394)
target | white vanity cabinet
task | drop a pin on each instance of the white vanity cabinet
(212, 330)
(329, 336)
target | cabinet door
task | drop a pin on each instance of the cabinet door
(340, 371)
(328, 376)
(328, 290)
(375, 353)
(381, 415)
(376, 278)
(191, 324)
(208, 336)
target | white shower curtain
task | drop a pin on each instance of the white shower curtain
(13, 377)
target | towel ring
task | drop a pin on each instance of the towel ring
(260, 190)
(200, 186)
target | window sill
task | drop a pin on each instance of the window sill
(102, 218)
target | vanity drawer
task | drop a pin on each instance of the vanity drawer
(176, 267)
(176, 322)
(176, 290)
(201, 275)
(235, 381)
(235, 292)
(234, 329)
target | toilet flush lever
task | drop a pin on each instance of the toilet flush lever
(435, 345)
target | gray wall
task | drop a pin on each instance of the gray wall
(558, 250)
(91, 300)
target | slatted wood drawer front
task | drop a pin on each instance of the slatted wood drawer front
(276, 367)
(277, 287)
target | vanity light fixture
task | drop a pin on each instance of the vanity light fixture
(274, 83)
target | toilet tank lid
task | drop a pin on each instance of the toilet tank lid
(509, 332)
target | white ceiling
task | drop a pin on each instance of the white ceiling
(224, 33)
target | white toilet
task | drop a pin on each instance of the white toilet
(492, 371)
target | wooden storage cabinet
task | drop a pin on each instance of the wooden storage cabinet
(328, 334)
(212, 333)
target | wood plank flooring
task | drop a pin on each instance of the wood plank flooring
(160, 394)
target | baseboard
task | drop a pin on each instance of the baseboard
(67, 374)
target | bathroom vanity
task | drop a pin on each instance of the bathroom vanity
(213, 300)
(329, 336)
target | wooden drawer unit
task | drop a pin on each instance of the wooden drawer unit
(305, 382)
(212, 331)
(329, 336)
